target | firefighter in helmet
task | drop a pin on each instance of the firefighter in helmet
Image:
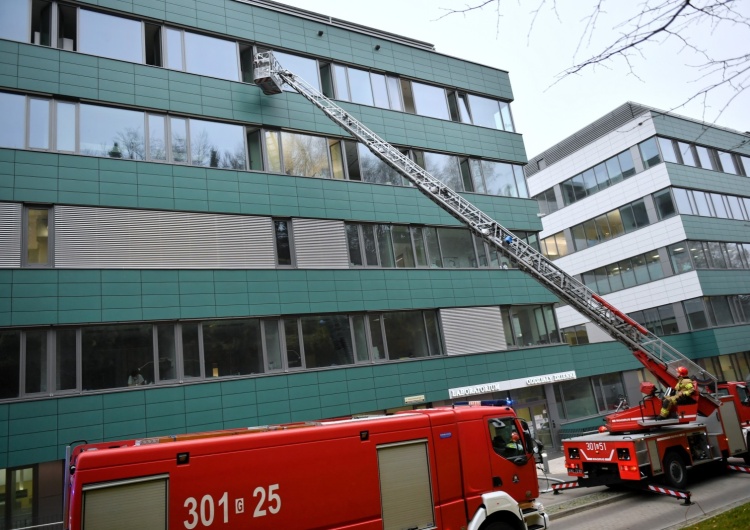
(683, 390)
(514, 446)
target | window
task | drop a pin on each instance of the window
(684, 206)
(304, 67)
(503, 179)
(10, 360)
(547, 201)
(232, 347)
(532, 325)
(457, 248)
(686, 153)
(111, 132)
(575, 399)
(364, 165)
(608, 389)
(327, 341)
(215, 144)
(649, 153)
(117, 356)
(430, 101)
(13, 111)
(303, 155)
(727, 162)
(445, 168)
(402, 246)
(110, 36)
(704, 157)
(360, 87)
(37, 249)
(667, 150)
(664, 206)
(575, 335)
(680, 257)
(13, 18)
(695, 313)
(491, 113)
(204, 55)
(66, 360)
(283, 242)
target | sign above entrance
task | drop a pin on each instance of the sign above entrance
(499, 386)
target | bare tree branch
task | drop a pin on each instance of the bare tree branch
(654, 24)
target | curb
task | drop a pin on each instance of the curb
(583, 504)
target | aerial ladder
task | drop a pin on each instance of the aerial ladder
(657, 356)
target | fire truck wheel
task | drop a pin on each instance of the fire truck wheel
(747, 455)
(497, 525)
(675, 471)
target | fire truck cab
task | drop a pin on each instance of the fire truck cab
(436, 468)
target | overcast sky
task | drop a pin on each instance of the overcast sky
(544, 112)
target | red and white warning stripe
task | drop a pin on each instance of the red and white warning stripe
(679, 494)
(741, 469)
(565, 485)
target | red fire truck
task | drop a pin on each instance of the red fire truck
(448, 468)
(637, 446)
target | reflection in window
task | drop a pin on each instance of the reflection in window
(215, 144)
(191, 361)
(157, 137)
(649, 153)
(36, 362)
(680, 257)
(695, 313)
(485, 112)
(232, 347)
(406, 335)
(575, 335)
(67, 126)
(166, 368)
(327, 341)
(443, 167)
(39, 115)
(13, 17)
(117, 356)
(575, 399)
(457, 247)
(371, 168)
(305, 68)
(430, 101)
(211, 56)
(533, 325)
(359, 85)
(111, 132)
(272, 343)
(13, 111)
(283, 242)
(305, 155)
(110, 36)
(667, 150)
(66, 363)
(727, 162)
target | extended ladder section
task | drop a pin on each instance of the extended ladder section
(663, 358)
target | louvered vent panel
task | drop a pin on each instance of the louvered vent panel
(472, 330)
(145, 239)
(601, 127)
(320, 244)
(10, 235)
